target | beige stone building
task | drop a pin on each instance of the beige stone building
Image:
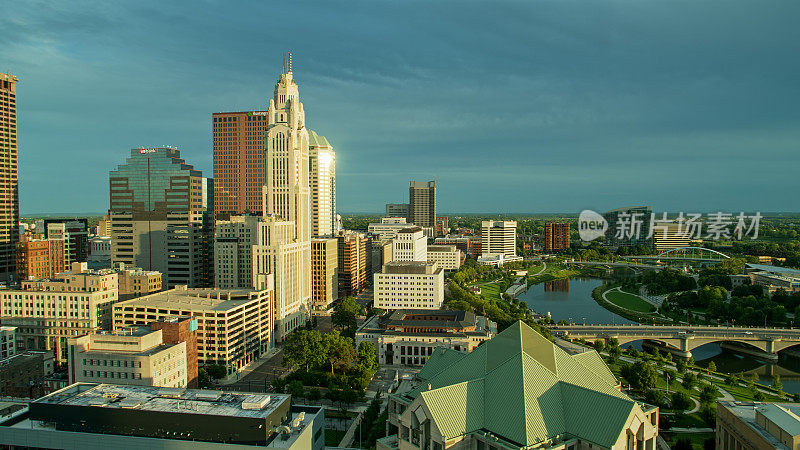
(499, 237)
(132, 355)
(448, 257)
(410, 244)
(135, 282)
(409, 285)
(322, 179)
(234, 326)
(9, 178)
(755, 426)
(324, 276)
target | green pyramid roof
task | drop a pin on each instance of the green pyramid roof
(523, 388)
(316, 140)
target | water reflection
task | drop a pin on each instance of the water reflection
(570, 300)
(728, 361)
(561, 285)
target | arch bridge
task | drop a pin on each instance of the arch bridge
(685, 338)
(700, 254)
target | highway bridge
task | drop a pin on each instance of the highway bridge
(685, 338)
(607, 264)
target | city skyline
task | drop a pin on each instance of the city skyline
(581, 101)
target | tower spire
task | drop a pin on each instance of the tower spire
(290, 61)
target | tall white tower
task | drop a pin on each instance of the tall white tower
(322, 178)
(287, 253)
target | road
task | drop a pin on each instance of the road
(258, 378)
(365, 298)
(683, 331)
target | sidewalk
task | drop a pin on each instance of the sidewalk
(234, 377)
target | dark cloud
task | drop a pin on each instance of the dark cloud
(512, 105)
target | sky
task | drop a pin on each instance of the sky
(532, 106)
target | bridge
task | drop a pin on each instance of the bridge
(609, 264)
(698, 254)
(768, 341)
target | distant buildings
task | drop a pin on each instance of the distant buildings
(422, 203)
(322, 183)
(470, 245)
(556, 236)
(22, 373)
(669, 236)
(84, 415)
(9, 178)
(238, 146)
(751, 426)
(74, 233)
(409, 285)
(397, 210)
(324, 272)
(354, 263)
(442, 227)
(498, 242)
(409, 337)
(518, 391)
(388, 227)
(161, 217)
(628, 226)
(448, 257)
(772, 278)
(234, 326)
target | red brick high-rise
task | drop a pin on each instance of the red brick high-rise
(238, 142)
(556, 236)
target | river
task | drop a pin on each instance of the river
(571, 300)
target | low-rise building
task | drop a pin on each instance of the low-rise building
(388, 227)
(136, 282)
(234, 326)
(496, 259)
(84, 415)
(448, 257)
(8, 341)
(469, 245)
(773, 278)
(133, 355)
(21, 374)
(517, 391)
(409, 337)
(755, 426)
(409, 285)
(324, 272)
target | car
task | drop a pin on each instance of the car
(748, 332)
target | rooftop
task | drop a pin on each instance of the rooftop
(784, 415)
(410, 267)
(783, 271)
(176, 400)
(196, 299)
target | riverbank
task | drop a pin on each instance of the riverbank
(636, 316)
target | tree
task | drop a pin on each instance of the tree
(314, 394)
(216, 371)
(295, 389)
(203, 380)
(367, 359)
(681, 401)
(338, 351)
(711, 367)
(345, 313)
(708, 393)
(776, 383)
(681, 366)
(682, 444)
(303, 349)
(641, 375)
(689, 380)
(599, 345)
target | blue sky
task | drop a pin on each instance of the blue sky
(514, 106)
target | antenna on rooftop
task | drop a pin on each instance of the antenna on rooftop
(290, 61)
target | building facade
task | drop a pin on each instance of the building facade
(133, 355)
(410, 244)
(448, 257)
(324, 272)
(233, 325)
(442, 226)
(556, 236)
(422, 203)
(322, 179)
(238, 144)
(233, 251)
(409, 285)
(9, 178)
(40, 258)
(74, 233)
(99, 252)
(499, 237)
(409, 337)
(161, 215)
(8, 341)
(754, 426)
(669, 236)
(354, 262)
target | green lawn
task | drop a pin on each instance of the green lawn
(629, 301)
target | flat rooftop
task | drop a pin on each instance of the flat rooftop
(176, 400)
(783, 414)
(195, 299)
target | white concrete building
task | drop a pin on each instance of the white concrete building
(496, 259)
(99, 252)
(322, 179)
(8, 342)
(448, 257)
(132, 355)
(233, 251)
(409, 285)
(410, 245)
(388, 227)
(499, 236)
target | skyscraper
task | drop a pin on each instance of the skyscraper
(9, 194)
(161, 216)
(422, 203)
(556, 236)
(287, 252)
(322, 179)
(238, 142)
